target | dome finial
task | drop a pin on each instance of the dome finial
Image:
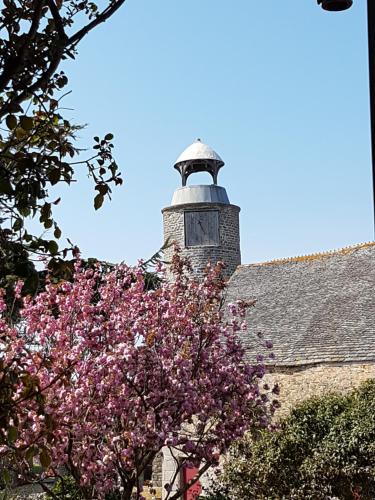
(198, 157)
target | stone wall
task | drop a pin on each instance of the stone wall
(168, 472)
(157, 470)
(300, 383)
(229, 233)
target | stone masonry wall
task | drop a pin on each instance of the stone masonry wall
(157, 470)
(299, 384)
(229, 233)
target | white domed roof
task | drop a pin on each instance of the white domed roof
(199, 151)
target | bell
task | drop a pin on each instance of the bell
(335, 5)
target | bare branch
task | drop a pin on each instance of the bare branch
(57, 18)
(101, 18)
(192, 481)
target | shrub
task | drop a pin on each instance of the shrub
(324, 448)
(66, 488)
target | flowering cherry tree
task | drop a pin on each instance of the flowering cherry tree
(125, 371)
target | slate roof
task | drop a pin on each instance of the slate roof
(315, 309)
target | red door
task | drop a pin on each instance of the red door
(194, 491)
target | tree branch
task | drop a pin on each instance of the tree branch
(45, 77)
(101, 18)
(13, 65)
(57, 18)
(192, 481)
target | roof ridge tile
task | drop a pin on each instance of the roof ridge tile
(313, 256)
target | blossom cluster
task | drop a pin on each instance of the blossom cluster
(125, 371)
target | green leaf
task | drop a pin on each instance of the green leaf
(45, 459)
(57, 233)
(102, 188)
(24, 211)
(96, 139)
(18, 224)
(108, 137)
(36, 469)
(11, 122)
(54, 176)
(20, 133)
(12, 434)
(6, 476)
(15, 108)
(29, 455)
(36, 244)
(45, 212)
(31, 283)
(53, 247)
(26, 122)
(98, 201)
(5, 186)
(113, 167)
(48, 223)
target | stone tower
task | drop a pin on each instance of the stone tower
(200, 219)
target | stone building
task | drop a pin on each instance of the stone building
(318, 310)
(319, 313)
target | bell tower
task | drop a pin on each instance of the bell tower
(200, 219)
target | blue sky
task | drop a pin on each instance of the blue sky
(279, 89)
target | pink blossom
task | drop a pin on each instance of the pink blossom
(125, 371)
